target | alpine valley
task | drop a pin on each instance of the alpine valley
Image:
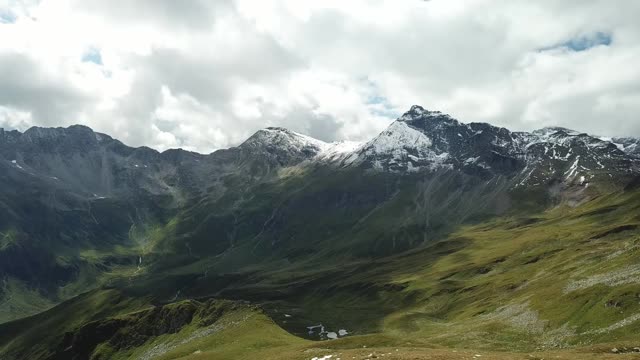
(434, 240)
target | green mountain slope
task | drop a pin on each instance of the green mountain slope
(559, 278)
(408, 242)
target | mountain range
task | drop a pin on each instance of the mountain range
(435, 234)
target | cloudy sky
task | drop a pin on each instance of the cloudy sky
(204, 75)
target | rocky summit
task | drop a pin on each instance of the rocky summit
(436, 238)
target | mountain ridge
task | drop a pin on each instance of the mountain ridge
(420, 140)
(415, 110)
(431, 217)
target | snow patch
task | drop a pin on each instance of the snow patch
(339, 150)
(472, 160)
(573, 169)
(309, 141)
(402, 145)
(398, 136)
(286, 139)
(15, 163)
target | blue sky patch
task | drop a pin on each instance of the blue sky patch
(382, 107)
(377, 99)
(93, 55)
(379, 105)
(584, 42)
(7, 17)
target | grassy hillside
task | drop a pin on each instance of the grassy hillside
(566, 278)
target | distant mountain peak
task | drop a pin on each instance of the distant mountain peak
(285, 138)
(430, 140)
(277, 128)
(551, 130)
(418, 112)
(629, 145)
(419, 139)
(71, 134)
(56, 131)
(281, 147)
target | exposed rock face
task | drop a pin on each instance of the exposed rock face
(423, 139)
(630, 146)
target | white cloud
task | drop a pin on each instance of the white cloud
(205, 75)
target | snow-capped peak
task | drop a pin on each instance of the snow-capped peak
(284, 139)
(430, 140)
(549, 131)
(401, 146)
(628, 145)
(396, 137)
(309, 141)
(418, 111)
(303, 146)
